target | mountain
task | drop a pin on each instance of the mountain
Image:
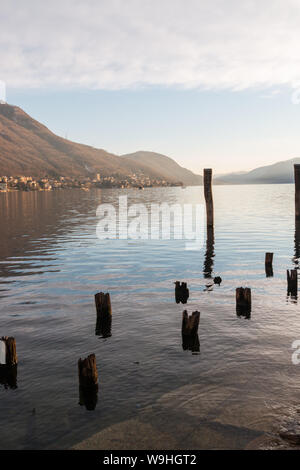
(164, 166)
(29, 148)
(281, 172)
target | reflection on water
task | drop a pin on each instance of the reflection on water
(191, 343)
(88, 398)
(52, 264)
(103, 327)
(297, 244)
(243, 313)
(209, 253)
(8, 376)
(269, 270)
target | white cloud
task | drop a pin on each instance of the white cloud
(115, 44)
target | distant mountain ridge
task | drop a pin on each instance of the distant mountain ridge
(29, 148)
(163, 165)
(277, 173)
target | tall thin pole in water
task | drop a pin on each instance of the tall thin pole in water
(297, 191)
(207, 178)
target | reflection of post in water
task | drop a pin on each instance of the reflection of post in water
(209, 254)
(297, 244)
(191, 343)
(104, 316)
(88, 398)
(8, 376)
(189, 331)
(292, 283)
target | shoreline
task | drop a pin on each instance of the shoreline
(196, 417)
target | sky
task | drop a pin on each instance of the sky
(209, 83)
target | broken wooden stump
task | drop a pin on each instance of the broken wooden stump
(292, 282)
(189, 331)
(104, 314)
(182, 293)
(269, 264)
(11, 358)
(243, 301)
(87, 372)
(190, 323)
(8, 362)
(207, 179)
(269, 259)
(88, 382)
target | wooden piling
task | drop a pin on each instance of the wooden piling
(87, 372)
(292, 282)
(243, 301)
(182, 292)
(269, 264)
(88, 382)
(11, 351)
(104, 314)
(189, 331)
(269, 259)
(190, 323)
(207, 182)
(297, 191)
(8, 371)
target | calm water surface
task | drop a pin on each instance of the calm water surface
(51, 264)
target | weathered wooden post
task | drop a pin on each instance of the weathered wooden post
(243, 301)
(207, 179)
(269, 264)
(297, 191)
(189, 331)
(11, 358)
(104, 315)
(190, 323)
(8, 362)
(182, 292)
(88, 382)
(292, 282)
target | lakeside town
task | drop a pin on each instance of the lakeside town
(29, 183)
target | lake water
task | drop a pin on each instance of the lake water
(241, 387)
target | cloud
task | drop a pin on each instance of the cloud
(115, 44)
